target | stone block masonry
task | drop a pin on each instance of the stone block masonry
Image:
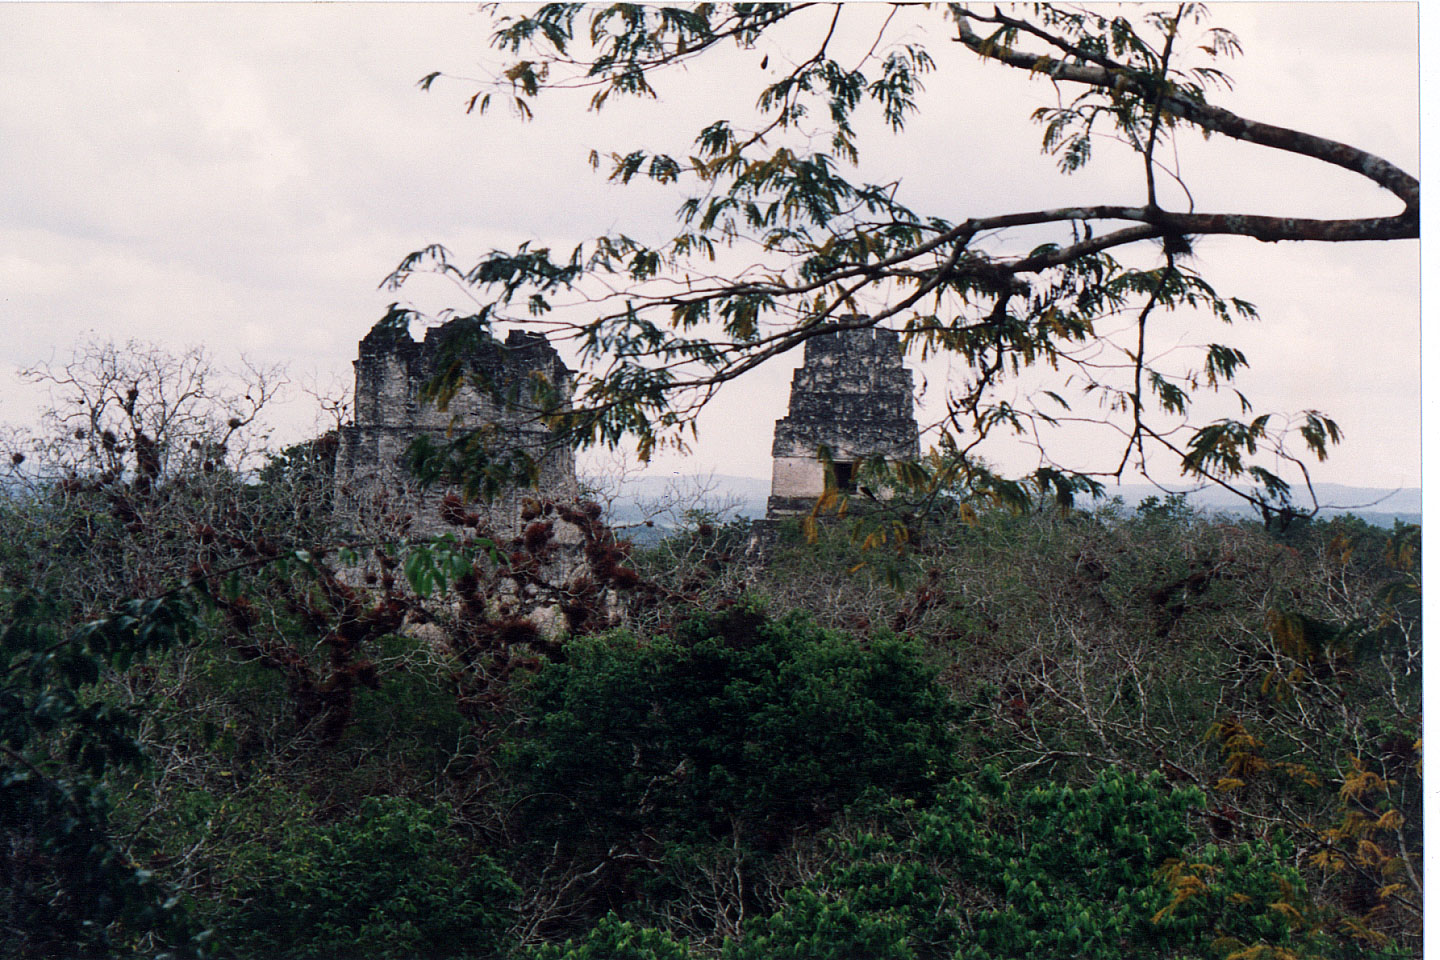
(376, 492)
(852, 396)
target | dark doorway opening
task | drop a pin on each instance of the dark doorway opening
(845, 477)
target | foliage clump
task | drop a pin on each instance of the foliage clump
(991, 871)
(394, 880)
(736, 730)
(773, 723)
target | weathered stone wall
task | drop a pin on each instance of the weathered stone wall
(375, 489)
(854, 396)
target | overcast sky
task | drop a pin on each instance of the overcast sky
(243, 176)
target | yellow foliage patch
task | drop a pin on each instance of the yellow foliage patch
(1390, 820)
(1360, 781)
(1359, 931)
(1289, 912)
(1369, 854)
(1184, 881)
(1262, 951)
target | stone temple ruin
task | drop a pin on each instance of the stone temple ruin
(852, 397)
(562, 564)
(851, 400)
(373, 484)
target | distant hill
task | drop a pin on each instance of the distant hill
(662, 499)
(1375, 505)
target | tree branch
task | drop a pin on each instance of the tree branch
(1219, 120)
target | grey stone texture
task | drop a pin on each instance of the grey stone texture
(375, 491)
(854, 396)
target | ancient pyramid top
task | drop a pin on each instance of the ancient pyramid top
(853, 395)
(392, 367)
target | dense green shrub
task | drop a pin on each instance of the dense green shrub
(394, 881)
(67, 885)
(650, 776)
(614, 939)
(734, 723)
(1054, 871)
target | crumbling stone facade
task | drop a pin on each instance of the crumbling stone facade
(373, 485)
(854, 397)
